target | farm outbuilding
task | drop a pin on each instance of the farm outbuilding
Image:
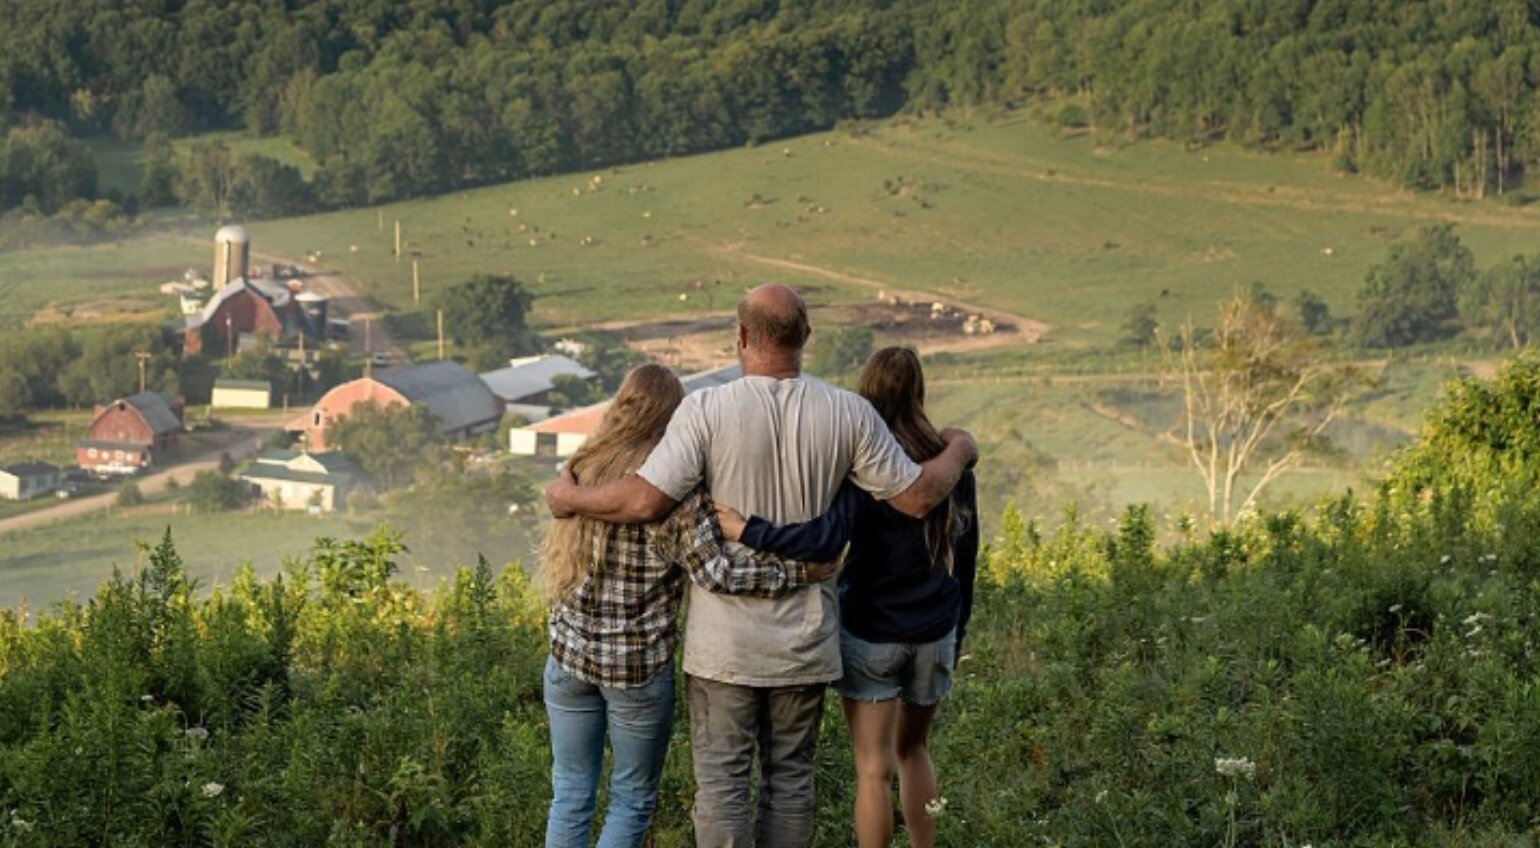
(24, 481)
(130, 434)
(295, 480)
(562, 435)
(459, 400)
(525, 384)
(242, 394)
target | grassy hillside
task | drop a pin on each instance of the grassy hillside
(1004, 214)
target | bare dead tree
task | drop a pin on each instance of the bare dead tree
(1258, 396)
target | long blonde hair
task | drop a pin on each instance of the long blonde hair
(632, 426)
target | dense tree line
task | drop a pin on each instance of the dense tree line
(395, 99)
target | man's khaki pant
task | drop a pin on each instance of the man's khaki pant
(727, 722)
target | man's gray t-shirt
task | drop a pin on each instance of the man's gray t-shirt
(778, 449)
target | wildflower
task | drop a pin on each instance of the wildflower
(1475, 618)
(1444, 560)
(20, 825)
(147, 699)
(197, 734)
(1470, 634)
(1101, 796)
(1394, 608)
(934, 807)
(1236, 767)
(213, 790)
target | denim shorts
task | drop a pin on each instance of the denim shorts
(920, 673)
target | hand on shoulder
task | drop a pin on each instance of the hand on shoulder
(558, 495)
(962, 440)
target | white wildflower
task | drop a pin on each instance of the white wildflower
(1101, 796)
(197, 734)
(1445, 559)
(1236, 767)
(213, 790)
(20, 825)
(147, 699)
(1471, 634)
(935, 806)
(1394, 608)
(1475, 618)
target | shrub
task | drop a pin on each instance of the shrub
(130, 495)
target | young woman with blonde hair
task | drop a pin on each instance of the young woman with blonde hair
(615, 593)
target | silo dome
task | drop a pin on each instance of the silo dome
(232, 233)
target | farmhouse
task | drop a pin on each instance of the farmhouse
(525, 385)
(458, 399)
(562, 435)
(130, 434)
(24, 481)
(242, 394)
(290, 480)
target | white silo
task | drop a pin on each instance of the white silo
(232, 253)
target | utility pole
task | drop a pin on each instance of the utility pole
(143, 358)
(398, 240)
(441, 334)
(368, 350)
(416, 285)
(229, 338)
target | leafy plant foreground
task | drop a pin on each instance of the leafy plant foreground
(1359, 675)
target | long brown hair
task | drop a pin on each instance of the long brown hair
(631, 428)
(894, 383)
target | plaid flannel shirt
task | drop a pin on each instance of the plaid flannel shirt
(620, 625)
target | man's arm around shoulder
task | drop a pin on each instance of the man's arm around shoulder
(938, 476)
(629, 500)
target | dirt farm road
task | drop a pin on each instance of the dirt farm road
(244, 438)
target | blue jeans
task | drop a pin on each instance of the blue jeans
(638, 722)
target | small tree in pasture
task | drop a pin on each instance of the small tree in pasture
(1257, 399)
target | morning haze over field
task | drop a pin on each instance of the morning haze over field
(302, 306)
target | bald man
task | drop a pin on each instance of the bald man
(775, 444)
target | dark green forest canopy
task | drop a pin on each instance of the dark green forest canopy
(395, 99)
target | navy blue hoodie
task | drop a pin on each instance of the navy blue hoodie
(890, 589)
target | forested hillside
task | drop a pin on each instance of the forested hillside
(400, 99)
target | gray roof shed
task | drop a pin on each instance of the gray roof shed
(455, 396)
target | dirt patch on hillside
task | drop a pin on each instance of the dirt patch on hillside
(698, 342)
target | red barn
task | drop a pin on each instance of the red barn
(462, 404)
(238, 309)
(130, 434)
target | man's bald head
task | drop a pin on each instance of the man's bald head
(774, 316)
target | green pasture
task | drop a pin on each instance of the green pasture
(65, 275)
(1006, 214)
(73, 557)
